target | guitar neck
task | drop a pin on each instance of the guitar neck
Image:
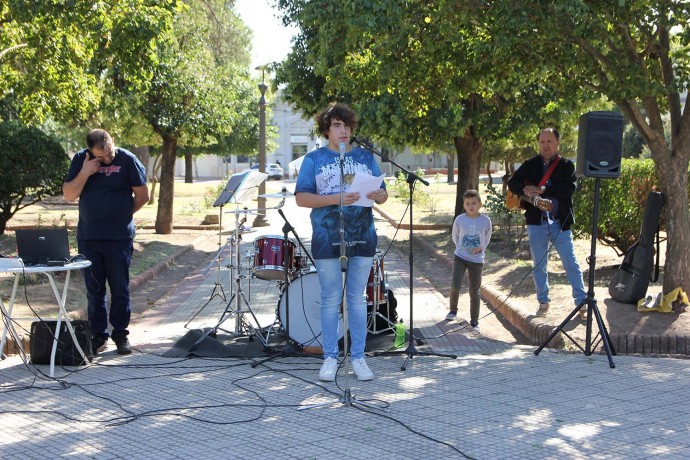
(533, 200)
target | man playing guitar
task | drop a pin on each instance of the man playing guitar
(549, 214)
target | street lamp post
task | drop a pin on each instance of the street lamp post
(260, 220)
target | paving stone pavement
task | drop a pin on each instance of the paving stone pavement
(494, 401)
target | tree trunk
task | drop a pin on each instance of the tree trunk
(469, 152)
(164, 216)
(451, 167)
(672, 171)
(153, 178)
(188, 168)
(143, 154)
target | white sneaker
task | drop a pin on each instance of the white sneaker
(359, 366)
(451, 315)
(476, 327)
(328, 370)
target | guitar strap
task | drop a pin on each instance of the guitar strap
(552, 166)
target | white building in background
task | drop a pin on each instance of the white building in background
(296, 137)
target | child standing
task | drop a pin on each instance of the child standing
(471, 235)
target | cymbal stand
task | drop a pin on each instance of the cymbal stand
(217, 286)
(241, 304)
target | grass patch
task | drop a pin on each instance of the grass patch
(149, 253)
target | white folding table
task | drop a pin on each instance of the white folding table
(18, 272)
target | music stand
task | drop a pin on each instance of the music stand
(240, 187)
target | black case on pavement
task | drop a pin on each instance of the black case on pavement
(630, 282)
(42, 334)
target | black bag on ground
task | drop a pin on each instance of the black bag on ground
(630, 282)
(42, 334)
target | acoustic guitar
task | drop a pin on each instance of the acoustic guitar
(513, 201)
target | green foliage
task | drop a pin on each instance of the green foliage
(57, 57)
(632, 143)
(32, 167)
(400, 189)
(508, 226)
(621, 204)
(212, 193)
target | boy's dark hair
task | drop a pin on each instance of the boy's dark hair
(472, 194)
(550, 130)
(99, 138)
(338, 111)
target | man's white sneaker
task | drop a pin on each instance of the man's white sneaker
(362, 371)
(328, 370)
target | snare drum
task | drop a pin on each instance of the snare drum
(304, 295)
(271, 252)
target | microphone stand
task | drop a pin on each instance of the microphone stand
(411, 351)
(346, 398)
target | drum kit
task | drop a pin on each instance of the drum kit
(285, 261)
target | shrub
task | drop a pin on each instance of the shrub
(508, 226)
(621, 205)
(400, 189)
(33, 166)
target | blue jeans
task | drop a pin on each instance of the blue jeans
(540, 236)
(110, 261)
(331, 280)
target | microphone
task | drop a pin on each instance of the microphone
(343, 263)
(341, 148)
(360, 142)
(280, 211)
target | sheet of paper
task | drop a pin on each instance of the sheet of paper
(364, 183)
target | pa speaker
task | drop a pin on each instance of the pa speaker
(600, 145)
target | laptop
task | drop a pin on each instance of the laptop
(43, 246)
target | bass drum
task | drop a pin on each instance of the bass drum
(304, 297)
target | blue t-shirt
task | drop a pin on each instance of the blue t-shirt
(106, 203)
(320, 174)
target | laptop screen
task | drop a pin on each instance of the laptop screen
(37, 246)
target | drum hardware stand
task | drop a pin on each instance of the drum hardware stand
(237, 189)
(242, 325)
(379, 281)
(290, 348)
(590, 302)
(217, 286)
(411, 351)
(346, 398)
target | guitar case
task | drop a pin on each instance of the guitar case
(630, 282)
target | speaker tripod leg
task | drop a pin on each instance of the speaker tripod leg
(605, 338)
